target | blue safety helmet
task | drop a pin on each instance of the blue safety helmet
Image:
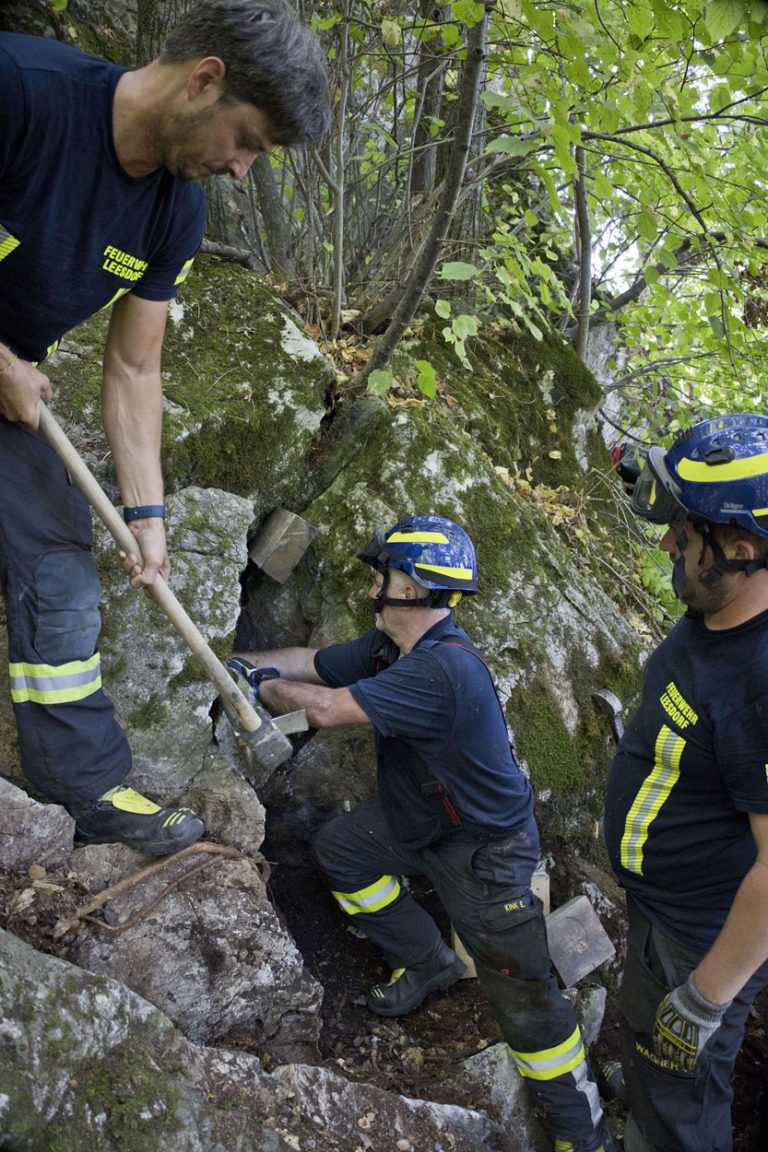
(431, 549)
(716, 470)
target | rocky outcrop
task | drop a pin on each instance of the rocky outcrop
(255, 419)
(85, 1063)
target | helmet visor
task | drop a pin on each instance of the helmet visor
(379, 554)
(656, 496)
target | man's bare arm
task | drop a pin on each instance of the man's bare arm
(132, 403)
(742, 945)
(325, 707)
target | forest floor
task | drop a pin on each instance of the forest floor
(415, 1056)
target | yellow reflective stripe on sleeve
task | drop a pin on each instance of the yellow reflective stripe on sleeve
(184, 272)
(55, 684)
(7, 243)
(700, 473)
(417, 538)
(654, 791)
(551, 1062)
(459, 573)
(371, 899)
(120, 292)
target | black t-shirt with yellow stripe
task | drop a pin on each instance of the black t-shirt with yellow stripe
(691, 766)
(76, 231)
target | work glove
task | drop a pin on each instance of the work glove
(251, 674)
(684, 1023)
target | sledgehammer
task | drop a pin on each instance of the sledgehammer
(260, 736)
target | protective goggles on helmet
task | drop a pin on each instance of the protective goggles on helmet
(377, 553)
(656, 495)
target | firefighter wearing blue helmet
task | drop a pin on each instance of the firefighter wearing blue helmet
(687, 800)
(452, 804)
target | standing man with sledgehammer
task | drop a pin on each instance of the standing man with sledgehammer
(100, 207)
(687, 803)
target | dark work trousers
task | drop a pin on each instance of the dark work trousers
(72, 748)
(674, 1111)
(485, 888)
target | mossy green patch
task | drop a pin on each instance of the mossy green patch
(518, 401)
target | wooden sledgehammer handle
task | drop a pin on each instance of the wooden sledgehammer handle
(159, 590)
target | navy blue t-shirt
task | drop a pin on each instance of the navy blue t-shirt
(691, 765)
(76, 231)
(443, 755)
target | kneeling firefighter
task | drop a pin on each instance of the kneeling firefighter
(452, 804)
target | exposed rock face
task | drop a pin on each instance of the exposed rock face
(86, 1064)
(247, 430)
(30, 832)
(212, 955)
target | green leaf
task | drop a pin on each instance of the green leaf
(450, 35)
(380, 382)
(716, 324)
(646, 226)
(321, 25)
(499, 100)
(427, 379)
(512, 145)
(467, 12)
(722, 17)
(455, 270)
(640, 21)
(443, 309)
(562, 134)
(391, 33)
(465, 326)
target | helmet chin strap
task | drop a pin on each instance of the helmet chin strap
(435, 598)
(722, 563)
(710, 577)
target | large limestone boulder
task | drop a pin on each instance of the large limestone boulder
(31, 832)
(209, 951)
(84, 1063)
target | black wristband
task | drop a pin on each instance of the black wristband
(144, 512)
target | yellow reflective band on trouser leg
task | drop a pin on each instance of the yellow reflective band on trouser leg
(371, 899)
(551, 1062)
(55, 683)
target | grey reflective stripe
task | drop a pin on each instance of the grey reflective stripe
(653, 794)
(369, 899)
(551, 1062)
(588, 1087)
(54, 683)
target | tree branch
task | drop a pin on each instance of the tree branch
(416, 283)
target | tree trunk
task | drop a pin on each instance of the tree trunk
(154, 20)
(417, 282)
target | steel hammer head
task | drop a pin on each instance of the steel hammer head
(610, 706)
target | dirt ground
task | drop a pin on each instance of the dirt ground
(414, 1056)
(417, 1054)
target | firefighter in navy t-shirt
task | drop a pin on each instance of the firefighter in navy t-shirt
(452, 804)
(687, 801)
(99, 208)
